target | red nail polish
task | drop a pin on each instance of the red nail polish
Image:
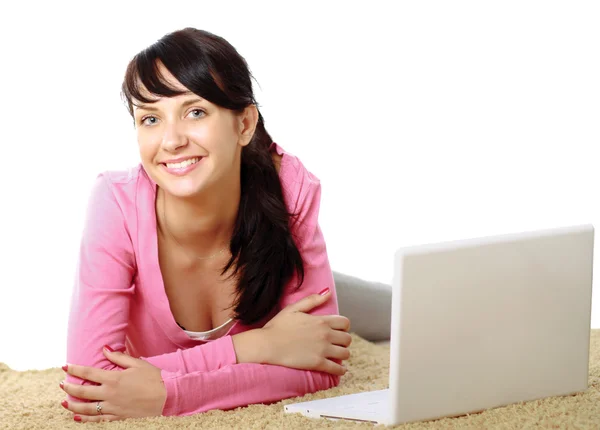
(324, 291)
(109, 348)
(65, 368)
(62, 385)
(77, 418)
(64, 404)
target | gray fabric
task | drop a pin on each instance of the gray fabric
(368, 306)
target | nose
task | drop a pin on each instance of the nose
(173, 137)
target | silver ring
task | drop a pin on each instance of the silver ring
(99, 408)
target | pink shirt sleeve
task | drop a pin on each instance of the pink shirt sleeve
(99, 311)
(247, 383)
(103, 283)
(239, 385)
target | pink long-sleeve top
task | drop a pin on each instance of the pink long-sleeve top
(119, 299)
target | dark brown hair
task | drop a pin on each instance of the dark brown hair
(264, 254)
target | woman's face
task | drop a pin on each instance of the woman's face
(188, 144)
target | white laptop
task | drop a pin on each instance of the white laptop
(478, 324)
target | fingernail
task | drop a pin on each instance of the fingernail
(109, 348)
(62, 385)
(324, 291)
(65, 367)
(64, 404)
(77, 418)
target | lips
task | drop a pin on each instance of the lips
(184, 167)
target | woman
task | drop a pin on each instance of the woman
(205, 263)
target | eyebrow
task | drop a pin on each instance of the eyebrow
(186, 103)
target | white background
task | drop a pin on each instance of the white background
(425, 122)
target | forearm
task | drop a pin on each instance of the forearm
(251, 347)
(245, 347)
(201, 358)
(239, 385)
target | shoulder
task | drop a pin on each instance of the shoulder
(123, 187)
(122, 181)
(297, 181)
(302, 195)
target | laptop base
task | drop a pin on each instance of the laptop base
(371, 407)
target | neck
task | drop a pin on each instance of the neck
(204, 224)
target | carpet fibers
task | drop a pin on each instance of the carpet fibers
(31, 400)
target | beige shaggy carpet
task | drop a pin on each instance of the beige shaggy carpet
(31, 400)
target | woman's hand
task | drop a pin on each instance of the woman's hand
(311, 342)
(135, 392)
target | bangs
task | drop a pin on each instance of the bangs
(144, 80)
(193, 62)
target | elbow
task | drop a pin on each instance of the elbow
(326, 382)
(334, 381)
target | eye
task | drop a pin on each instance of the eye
(143, 120)
(199, 112)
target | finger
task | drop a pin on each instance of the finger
(96, 418)
(90, 373)
(340, 338)
(337, 352)
(329, 366)
(310, 302)
(85, 408)
(85, 392)
(337, 322)
(121, 359)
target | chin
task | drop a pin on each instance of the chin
(182, 190)
(185, 185)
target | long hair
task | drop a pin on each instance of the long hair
(264, 256)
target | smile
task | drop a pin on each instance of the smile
(182, 168)
(183, 164)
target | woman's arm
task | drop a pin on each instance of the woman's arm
(239, 385)
(99, 312)
(243, 384)
(303, 197)
(103, 284)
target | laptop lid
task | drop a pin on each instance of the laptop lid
(486, 322)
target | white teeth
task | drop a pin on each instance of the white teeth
(183, 164)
